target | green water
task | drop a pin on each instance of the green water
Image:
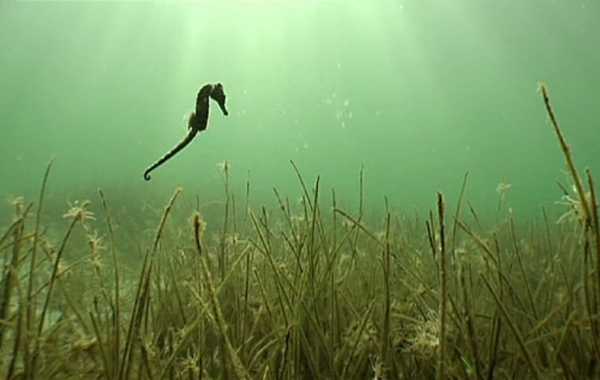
(416, 91)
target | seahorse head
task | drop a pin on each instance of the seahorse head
(218, 96)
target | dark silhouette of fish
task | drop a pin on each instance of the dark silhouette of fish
(197, 121)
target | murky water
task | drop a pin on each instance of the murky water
(416, 92)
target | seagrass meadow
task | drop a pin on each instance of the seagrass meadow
(382, 190)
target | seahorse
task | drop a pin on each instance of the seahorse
(197, 121)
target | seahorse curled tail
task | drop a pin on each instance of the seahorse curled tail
(182, 144)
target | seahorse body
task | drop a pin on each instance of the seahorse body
(197, 121)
